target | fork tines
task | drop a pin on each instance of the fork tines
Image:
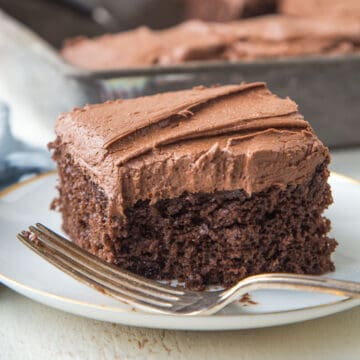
(102, 276)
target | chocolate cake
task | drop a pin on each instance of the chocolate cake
(329, 8)
(206, 186)
(227, 10)
(263, 37)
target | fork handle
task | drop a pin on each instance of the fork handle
(296, 282)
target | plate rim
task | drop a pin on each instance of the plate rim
(346, 303)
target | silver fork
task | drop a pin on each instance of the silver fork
(155, 297)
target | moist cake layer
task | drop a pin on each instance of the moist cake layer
(203, 239)
(257, 38)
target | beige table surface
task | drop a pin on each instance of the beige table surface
(29, 330)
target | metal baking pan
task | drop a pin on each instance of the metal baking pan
(32, 74)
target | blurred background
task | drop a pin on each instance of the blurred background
(95, 17)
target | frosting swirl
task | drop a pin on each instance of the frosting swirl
(199, 140)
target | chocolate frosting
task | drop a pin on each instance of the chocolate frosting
(199, 140)
(257, 38)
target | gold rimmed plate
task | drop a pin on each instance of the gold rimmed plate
(30, 275)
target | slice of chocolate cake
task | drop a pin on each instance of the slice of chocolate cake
(206, 186)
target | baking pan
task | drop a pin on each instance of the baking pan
(326, 88)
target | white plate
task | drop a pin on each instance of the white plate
(30, 275)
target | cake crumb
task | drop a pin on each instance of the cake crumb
(246, 300)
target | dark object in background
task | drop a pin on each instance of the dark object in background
(157, 14)
(56, 20)
(227, 10)
(52, 20)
